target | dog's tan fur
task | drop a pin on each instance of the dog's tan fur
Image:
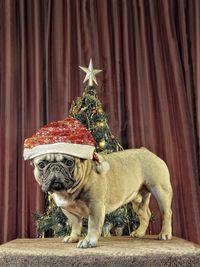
(95, 194)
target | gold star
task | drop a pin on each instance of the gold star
(90, 74)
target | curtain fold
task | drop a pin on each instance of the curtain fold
(150, 55)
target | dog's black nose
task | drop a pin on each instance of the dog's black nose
(56, 185)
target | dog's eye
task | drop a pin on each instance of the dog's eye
(69, 162)
(42, 164)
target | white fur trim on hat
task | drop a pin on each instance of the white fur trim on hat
(76, 150)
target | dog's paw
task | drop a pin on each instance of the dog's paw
(137, 234)
(70, 239)
(164, 236)
(87, 243)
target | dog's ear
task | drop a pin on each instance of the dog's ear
(78, 161)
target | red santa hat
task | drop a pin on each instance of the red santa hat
(68, 136)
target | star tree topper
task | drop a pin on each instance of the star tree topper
(90, 73)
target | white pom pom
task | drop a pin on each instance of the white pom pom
(102, 167)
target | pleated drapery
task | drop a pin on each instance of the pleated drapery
(149, 51)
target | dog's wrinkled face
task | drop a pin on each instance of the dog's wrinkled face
(54, 172)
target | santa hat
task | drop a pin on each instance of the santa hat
(68, 136)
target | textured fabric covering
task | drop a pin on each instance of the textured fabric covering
(115, 251)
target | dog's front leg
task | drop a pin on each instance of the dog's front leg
(95, 224)
(76, 224)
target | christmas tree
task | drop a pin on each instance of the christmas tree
(89, 111)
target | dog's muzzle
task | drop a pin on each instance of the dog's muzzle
(56, 185)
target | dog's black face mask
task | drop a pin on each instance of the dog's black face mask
(54, 175)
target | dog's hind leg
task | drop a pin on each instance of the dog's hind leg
(164, 198)
(141, 207)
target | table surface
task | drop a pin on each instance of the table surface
(147, 248)
(145, 245)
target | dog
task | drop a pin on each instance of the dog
(82, 191)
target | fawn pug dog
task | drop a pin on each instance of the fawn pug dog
(81, 190)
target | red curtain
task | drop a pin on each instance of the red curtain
(150, 55)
